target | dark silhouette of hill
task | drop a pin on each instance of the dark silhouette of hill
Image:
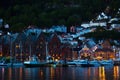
(19, 14)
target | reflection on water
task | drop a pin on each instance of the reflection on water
(61, 73)
(102, 73)
(116, 73)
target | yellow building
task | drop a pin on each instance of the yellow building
(104, 54)
(86, 53)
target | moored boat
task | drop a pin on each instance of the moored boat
(95, 63)
(3, 62)
(34, 62)
(82, 63)
(106, 62)
(86, 63)
(71, 63)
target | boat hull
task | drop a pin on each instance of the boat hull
(106, 63)
(34, 65)
(87, 65)
(3, 64)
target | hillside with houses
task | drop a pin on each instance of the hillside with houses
(59, 43)
(95, 39)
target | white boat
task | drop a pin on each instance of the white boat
(3, 62)
(106, 62)
(17, 64)
(71, 63)
(11, 65)
(86, 63)
(34, 62)
(79, 62)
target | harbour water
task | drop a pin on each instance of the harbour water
(60, 73)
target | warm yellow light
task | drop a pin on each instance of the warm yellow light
(116, 72)
(56, 59)
(99, 57)
(102, 73)
(17, 46)
(0, 53)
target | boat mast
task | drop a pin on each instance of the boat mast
(46, 50)
(10, 37)
(21, 49)
(30, 50)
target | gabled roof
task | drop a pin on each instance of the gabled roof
(31, 37)
(21, 37)
(32, 34)
(45, 35)
(32, 30)
(90, 43)
(11, 37)
(102, 16)
(55, 35)
(85, 49)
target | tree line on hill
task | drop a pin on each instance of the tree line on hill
(101, 33)
(19, 14)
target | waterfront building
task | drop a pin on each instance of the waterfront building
(105, 52)
(30, 44)
(55, 47)
(18, 47)
(41, 46)
(86, 53)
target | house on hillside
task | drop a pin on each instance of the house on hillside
(114, 23)
(94, 24)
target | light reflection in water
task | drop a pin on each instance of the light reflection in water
(10, 73)
(3, 72)
(61, 73)
(20, 72)
(102, 73)
(116, 73)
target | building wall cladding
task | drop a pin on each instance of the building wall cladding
(24, 46)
